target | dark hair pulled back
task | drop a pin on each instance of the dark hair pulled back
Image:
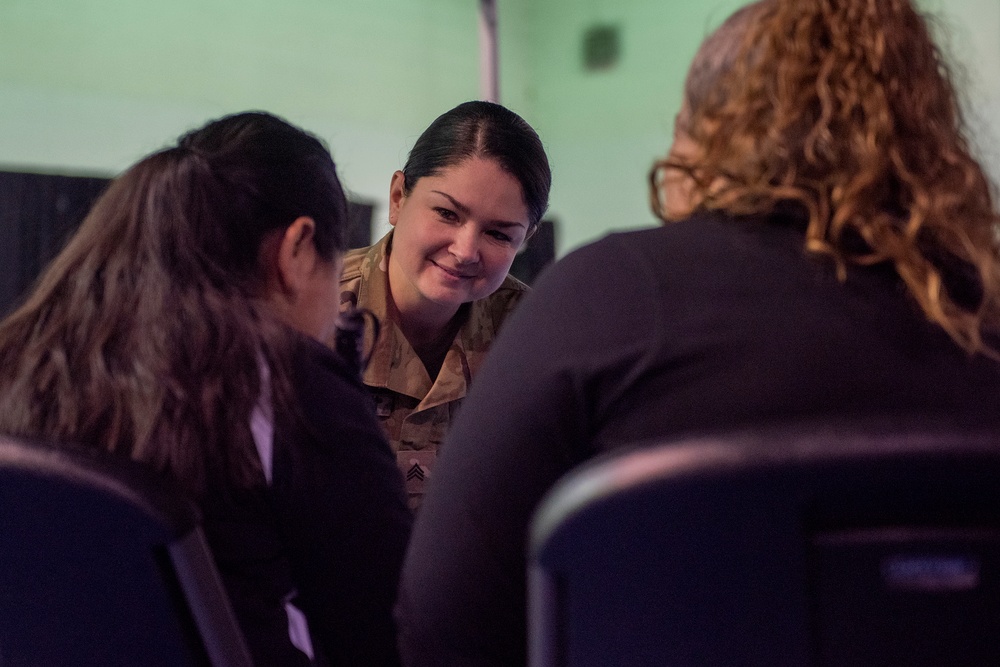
(266, 173)
(487, 130)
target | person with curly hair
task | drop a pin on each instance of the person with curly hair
(863, 135)
(181, 326)
(829, 253)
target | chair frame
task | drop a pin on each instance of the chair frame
(829, 490)
(55, 480)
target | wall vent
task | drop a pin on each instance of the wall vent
(601, 47)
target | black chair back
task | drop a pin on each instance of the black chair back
(103, 563)
(801, 546)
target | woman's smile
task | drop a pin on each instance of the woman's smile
(456, 274)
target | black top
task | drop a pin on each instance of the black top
(332, 527)
(708, 324)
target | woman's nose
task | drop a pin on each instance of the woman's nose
(465, 245)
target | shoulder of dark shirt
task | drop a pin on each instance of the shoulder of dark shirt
(310, 356)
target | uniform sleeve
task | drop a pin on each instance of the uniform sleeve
(527, 420)
(343, 511)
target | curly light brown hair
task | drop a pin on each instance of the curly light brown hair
(846, 107)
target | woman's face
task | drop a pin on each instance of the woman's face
(456, 234)
(318, 308)
(301, 286)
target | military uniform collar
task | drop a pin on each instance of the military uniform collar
(395, 365)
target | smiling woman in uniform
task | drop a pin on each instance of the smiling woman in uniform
(471, 193)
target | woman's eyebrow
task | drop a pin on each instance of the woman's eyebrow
(464, 210)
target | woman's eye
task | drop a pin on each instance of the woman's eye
(446, 214)
(500, 236)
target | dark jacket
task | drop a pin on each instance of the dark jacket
(709, 324)
(330, 531)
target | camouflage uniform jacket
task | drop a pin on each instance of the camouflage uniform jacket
(415, 412)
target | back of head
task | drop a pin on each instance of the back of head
(146, 334)
(265, 173)
(846, 107)
(488, 130)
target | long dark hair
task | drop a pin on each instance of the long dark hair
(147, 334)
(489, 130)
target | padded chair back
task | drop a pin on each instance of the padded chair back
(103, 563)
(806, 546)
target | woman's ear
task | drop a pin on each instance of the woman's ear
(397, 193)
(297, 255)
(531, 232)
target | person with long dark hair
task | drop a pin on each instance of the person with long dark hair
(180, 326)
(830, 253)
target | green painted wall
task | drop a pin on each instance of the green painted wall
(92, 86)
(89, 87)
(604, 129)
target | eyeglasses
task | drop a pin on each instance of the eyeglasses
(656, 195)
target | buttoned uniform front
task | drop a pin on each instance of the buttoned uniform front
(416, 411)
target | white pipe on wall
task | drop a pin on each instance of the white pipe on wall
(489, 85)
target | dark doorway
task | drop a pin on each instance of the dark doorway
(39, 212)
(539, 253)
